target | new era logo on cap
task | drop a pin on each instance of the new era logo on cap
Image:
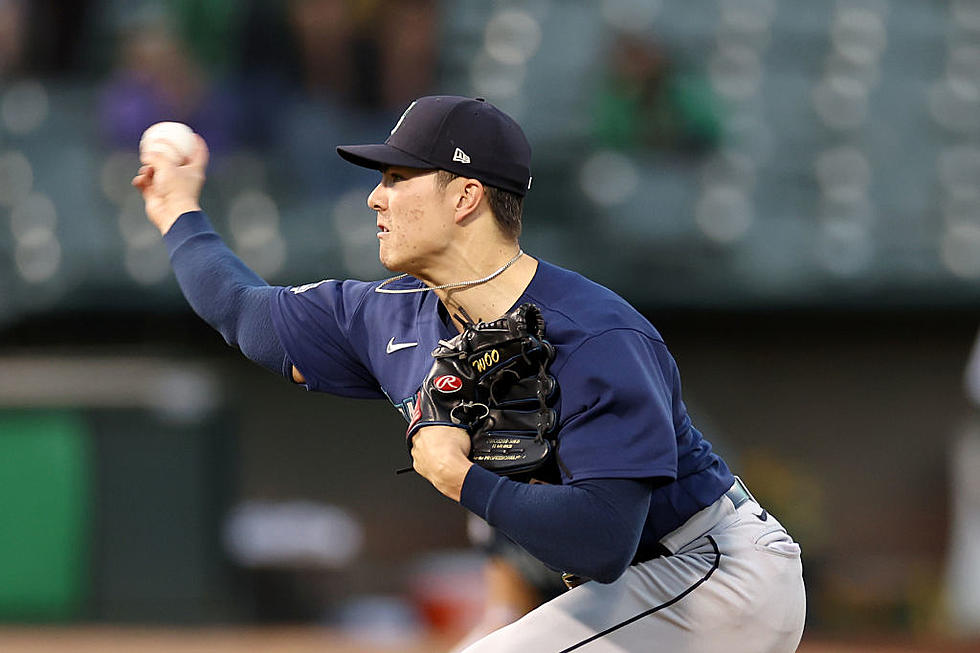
(426, 137)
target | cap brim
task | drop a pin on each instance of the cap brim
(380, 156)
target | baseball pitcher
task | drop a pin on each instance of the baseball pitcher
(539, 400)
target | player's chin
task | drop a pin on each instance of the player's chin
(399, 259)
(389, 259)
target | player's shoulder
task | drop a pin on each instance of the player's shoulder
(573, 303)
(351, 297)
(353, 289)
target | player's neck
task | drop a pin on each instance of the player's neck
(490, 300)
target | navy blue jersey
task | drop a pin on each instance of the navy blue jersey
(620, 409)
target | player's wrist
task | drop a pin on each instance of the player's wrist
(165, 218)
(452, 479)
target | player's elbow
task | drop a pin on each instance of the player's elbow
(608, 547)
(251, 330)
(611, 572)
(609, 564)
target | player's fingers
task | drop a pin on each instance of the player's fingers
(199, 158)
(156, 158)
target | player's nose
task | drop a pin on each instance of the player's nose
(376, 199)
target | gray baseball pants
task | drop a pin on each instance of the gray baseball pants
(734, 584)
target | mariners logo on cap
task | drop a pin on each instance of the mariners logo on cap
(402, 119)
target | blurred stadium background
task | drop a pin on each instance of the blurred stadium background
(789, 189)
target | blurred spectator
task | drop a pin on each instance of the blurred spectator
(53, 35)
(648, 102)
(266, 67)
(43, 37)
(406, 42)
(366, 53)
(212, 30)
(294, 75)
(156, 78)
(361, 63)
(12, 28)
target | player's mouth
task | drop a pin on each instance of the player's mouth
(382, 230)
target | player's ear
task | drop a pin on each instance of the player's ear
(468, 198)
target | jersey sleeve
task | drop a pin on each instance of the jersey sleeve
(617, 395)
(317, 325)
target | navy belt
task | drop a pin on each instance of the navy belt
(738, 493)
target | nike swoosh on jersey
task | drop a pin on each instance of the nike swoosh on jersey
(392, 347)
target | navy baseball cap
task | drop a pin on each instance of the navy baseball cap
(466, 136)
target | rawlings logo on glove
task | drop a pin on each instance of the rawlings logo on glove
(447, 383)
(492, 380)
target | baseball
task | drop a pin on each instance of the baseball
(173, 139)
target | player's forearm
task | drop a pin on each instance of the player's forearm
(591, 529)
(224, 291)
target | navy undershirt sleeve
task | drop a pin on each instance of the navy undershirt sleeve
(224, 291)
(589, 528)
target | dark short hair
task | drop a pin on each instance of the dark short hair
(507, 207)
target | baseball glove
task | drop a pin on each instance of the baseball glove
(492, 380)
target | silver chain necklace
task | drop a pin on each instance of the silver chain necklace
(493, 275)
